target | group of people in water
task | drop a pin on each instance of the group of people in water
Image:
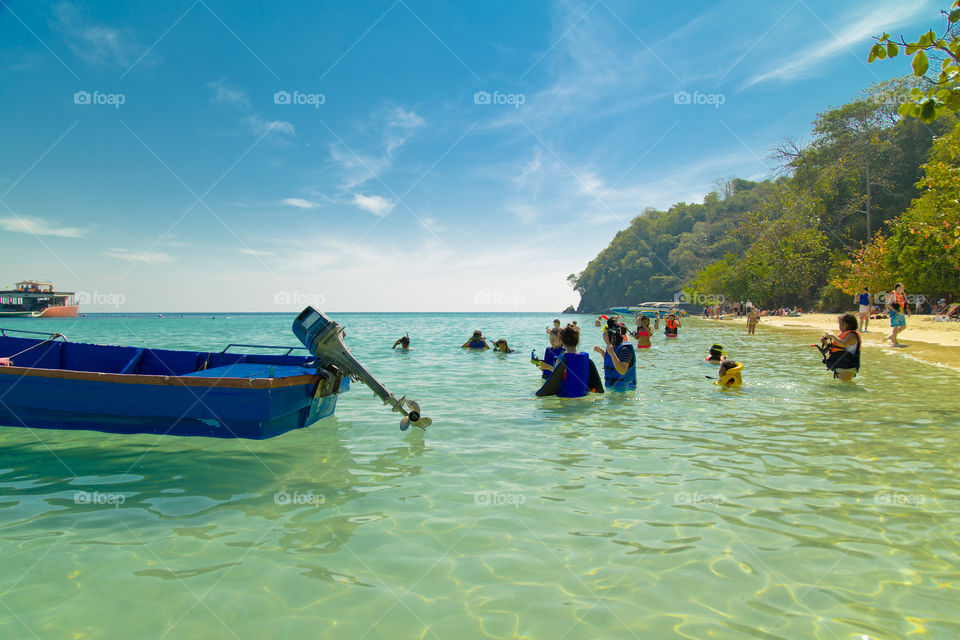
(568, 372)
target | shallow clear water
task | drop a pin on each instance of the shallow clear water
(797, 507)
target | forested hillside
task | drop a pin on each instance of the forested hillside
(790, 239)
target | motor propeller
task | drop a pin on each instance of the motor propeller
(324, 338)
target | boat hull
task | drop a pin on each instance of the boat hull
(157, 407)
(67, 385)
(65, 311)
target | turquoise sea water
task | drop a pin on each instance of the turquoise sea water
(797, 507)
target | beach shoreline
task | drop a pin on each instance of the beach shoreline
(927, 340)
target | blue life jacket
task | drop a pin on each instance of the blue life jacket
(476, 344)
(613, 380)
(550, 357)
(576, 379)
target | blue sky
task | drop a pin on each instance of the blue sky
(408, 155)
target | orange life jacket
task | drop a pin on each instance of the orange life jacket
(835, 346)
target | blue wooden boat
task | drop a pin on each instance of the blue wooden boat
(52, 383)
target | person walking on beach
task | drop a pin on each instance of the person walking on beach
(898, 308)
(864, 312)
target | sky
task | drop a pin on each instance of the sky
(390, 155)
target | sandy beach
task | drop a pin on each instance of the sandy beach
(926, 339)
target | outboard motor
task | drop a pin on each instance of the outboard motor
(324, 338)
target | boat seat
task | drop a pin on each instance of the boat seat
(161, 362)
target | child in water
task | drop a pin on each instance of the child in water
(404, 342)
(716, 355)
(672, 325)
(726, 380)
(477, 341)
(551, 353)
(501, 346)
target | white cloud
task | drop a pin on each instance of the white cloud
(231, 96)
(531, 175)
(400, 117)
(300, 203)
(397, 125)
(858, 29)
(38, 227)
(377, 205)
(526, 213)
(431, 225)
(256, 252)
(226, 94)
(97, 43)
(147, 257)
(263, 127)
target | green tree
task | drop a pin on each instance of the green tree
(942, 93)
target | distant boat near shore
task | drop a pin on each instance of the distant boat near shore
(32, 299)
(650, 309)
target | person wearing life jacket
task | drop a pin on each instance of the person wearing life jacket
(643, 333)
(672, 325)
(579, 375)
(729, 374)
(551, 353)
(716, 355)
(898, 308)
(477, 341)
(842, 351)
(619, 360)
(404, 342)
